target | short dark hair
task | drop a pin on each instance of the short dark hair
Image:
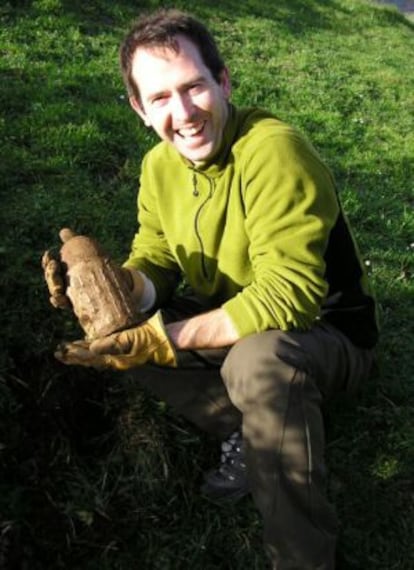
(160, 29)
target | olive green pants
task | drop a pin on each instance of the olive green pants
(273, 384)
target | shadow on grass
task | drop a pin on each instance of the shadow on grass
(370, 443)
(297, 16)
(88, 462)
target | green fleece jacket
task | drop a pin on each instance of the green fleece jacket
(257, 231)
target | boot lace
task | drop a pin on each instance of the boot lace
(232, 459)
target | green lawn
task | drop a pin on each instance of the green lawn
(94, 475)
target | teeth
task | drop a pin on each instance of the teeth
(191, 131)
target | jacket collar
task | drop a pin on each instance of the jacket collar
(217, 164)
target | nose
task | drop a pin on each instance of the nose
(182, 107)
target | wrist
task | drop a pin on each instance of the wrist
(134, 281)
(141, 287)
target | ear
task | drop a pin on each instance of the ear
(225, 82)
(137, 107)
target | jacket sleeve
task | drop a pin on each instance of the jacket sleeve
(290, 209)
(150, 252)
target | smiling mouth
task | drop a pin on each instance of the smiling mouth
(193, 131)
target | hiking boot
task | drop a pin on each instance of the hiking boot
(229, 480)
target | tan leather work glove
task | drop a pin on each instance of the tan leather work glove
(55, 281)
(132, 347)
(55, 276)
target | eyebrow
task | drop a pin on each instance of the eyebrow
(186, 85)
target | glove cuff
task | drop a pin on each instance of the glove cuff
(165, 355)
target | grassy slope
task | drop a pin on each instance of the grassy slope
(94, 475)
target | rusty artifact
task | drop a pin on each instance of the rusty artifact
(96, 287)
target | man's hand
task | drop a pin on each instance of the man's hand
(55, 276)
(120, 351)
(55, 273)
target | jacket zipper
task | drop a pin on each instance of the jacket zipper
(197, 218)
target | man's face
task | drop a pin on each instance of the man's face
(180, 99)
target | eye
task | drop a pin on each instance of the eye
(159, 100)
(195, 88)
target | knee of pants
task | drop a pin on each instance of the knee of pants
(259, 368)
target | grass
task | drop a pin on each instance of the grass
(94, 475)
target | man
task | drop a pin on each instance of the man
(275, 316)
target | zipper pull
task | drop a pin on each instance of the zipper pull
(195, 189)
